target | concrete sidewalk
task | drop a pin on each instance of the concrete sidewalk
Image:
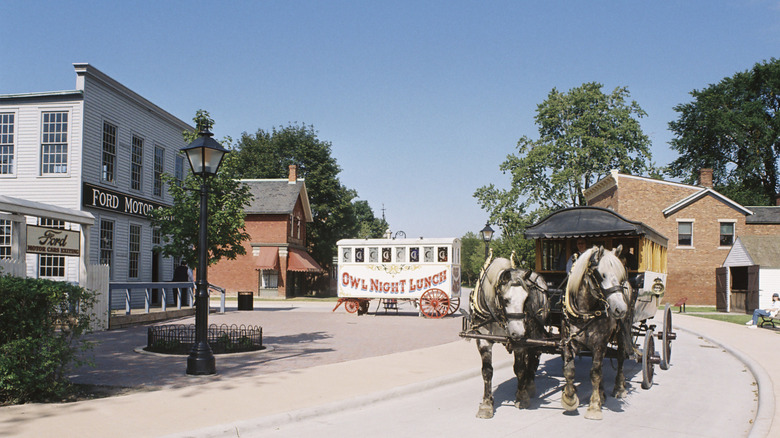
(218, 406)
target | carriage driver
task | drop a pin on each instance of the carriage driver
(770, 312)
(582, 246)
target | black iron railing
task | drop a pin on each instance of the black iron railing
(178, 338)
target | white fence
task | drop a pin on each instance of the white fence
(97, 281)
(15, 268)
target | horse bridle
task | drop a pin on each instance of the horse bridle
(596, 277)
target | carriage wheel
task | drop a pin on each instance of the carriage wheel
(647, 360)
(666, 339)
(454, 304)
(351, 306)
(434, 303)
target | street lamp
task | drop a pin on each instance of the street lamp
(205, 155)
(487, 235)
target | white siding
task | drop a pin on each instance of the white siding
(738, 256)
(103, 99)
(768, 283)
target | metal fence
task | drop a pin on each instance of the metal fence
(179, 338)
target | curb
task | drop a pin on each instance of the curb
(766, 396)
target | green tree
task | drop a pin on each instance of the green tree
(269, 155)
(733, 128)
(583, 134)
(179, 223)
(369, 226)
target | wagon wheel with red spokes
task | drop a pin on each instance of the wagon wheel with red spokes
(434, 303)
(351, 306)
(454, 304)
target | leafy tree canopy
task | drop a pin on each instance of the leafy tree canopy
(583, 135)
(269, 154)
(179, 223)
(733, 128)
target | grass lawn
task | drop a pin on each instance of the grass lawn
(711, 313)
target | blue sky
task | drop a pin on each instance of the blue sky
(421, 100)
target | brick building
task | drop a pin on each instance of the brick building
(276, 260)
(700, 223)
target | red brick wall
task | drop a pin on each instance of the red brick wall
(691, 272)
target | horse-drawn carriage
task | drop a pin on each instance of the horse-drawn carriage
(425, 272)
(593, 300)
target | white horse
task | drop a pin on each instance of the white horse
(597, 297)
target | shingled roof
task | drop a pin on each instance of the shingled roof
(276, 196)
(764, 215)
(762, 250)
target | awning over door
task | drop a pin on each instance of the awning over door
(269, 258)
(301, 261)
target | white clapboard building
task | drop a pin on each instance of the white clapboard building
(100, 148)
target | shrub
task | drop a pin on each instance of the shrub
(41, 322)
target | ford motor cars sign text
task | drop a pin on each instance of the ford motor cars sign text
(98, 197)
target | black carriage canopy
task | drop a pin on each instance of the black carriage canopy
(590, 222)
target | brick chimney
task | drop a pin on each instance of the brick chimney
(705, 178)
(777, 200)
(292, 177)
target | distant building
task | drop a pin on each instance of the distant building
(276, 261)
(701, 224)
(100, 148)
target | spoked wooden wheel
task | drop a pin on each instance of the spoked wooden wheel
(649, 359)
(351, 306)
(666, 337)
(454, 304)
(434, 303)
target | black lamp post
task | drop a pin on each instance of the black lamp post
(487, 235)
(205, 155)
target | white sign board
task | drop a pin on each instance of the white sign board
(54, 241)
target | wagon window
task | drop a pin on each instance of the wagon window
(387, 254)
(346, 255)
(373, 255)
(400, 255)
(428, 254)
(414, 254)
(684, 233)
(360, 255)
(442, 254)
(554, 255)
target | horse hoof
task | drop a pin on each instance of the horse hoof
(485, 412)
(619, 393)
(522, 404)
(570, 404)
(594, 414)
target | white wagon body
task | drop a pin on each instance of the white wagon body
(400, 269)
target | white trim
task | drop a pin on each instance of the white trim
(679, 205)
(685, 220)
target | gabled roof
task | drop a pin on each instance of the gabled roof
(764, 215)
(679, 205)
(757, 250)
(277, 196)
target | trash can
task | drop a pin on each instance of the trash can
(246, 300)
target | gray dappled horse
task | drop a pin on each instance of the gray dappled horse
(595, 301)
(510, 303)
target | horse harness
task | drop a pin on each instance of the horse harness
(595, 279)
(488, 315)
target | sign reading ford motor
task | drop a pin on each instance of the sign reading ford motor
(42, 240)
(98, 197)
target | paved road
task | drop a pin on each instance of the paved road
(686, 401)
(332, 373)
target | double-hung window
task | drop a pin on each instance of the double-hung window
(134, 251)
(51, 266)
(54, 143)
(6, 144)
(179, 170)
(726, 233)
(5, 238)
(137, 163)
(159, 160)
(685, 233)
(109, 152)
